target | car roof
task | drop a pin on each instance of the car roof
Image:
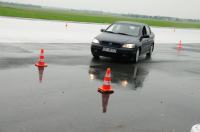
(134, 23)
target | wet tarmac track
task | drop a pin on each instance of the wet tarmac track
(160, 94)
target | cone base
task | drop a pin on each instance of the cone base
(100, 90)
(179, 49)
(39, 65)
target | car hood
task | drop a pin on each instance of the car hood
(117, 38)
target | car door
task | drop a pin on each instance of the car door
(149, 41)
(151, 36)
(144, 41)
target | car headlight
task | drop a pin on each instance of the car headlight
(128, 46)
(95, 41)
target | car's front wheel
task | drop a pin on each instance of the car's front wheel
(95, 56)
(150, 52)
(135, 58)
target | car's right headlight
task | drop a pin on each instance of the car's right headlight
(95, 41)
(128, 46)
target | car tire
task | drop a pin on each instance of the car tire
(149, 54)
(135, 58)
(95, 56)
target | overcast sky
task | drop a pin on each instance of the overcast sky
(173, 8)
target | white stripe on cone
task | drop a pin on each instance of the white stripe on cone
(106, 83)
(196, 128)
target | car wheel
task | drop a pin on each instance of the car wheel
(135, 58)
(150, 52)
(95, 56)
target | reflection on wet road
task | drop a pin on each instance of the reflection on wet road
(160, 94)
(41, 72)
(105, 99)
(127, 75)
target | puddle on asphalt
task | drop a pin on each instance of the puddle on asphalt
(105, 100)
(66, 95)
(41, 73)
(126, 75)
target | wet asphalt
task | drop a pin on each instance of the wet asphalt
(160, 94)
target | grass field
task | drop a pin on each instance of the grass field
(84, 17)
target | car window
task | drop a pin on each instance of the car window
(148, 30)
(128, 29)
(144, 31)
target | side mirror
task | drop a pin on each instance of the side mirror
(144, 36)
(103, 30)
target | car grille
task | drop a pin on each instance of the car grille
(111, 44)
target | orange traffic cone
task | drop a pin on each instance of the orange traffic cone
(180, 45)
(41, 62)
(106, 88)
(105, 98)
(41, 70)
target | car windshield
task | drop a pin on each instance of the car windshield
(124, 29)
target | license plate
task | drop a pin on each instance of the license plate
(109, 50)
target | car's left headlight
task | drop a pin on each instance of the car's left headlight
(95, 41)
(128, 46)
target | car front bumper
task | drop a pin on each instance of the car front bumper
(120, 52)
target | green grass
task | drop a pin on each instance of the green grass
(84, 17)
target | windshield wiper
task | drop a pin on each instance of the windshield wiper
(118, 33)
(124, 34)
(109, 32)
